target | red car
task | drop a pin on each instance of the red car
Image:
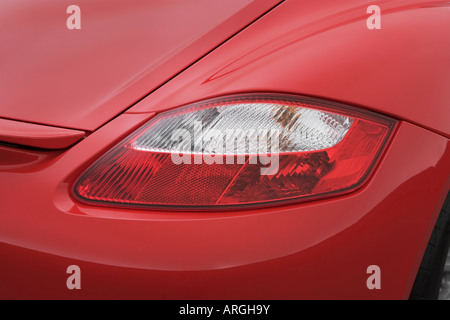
(235, 149)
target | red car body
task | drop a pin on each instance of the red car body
(75, 93)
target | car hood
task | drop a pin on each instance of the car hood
(81, 79)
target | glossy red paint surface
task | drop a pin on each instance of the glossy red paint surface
(285, 252)
(125, 49)
(330, 53)
(39, 136)
(317, 249)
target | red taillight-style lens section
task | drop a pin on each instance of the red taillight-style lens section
(246, 150)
